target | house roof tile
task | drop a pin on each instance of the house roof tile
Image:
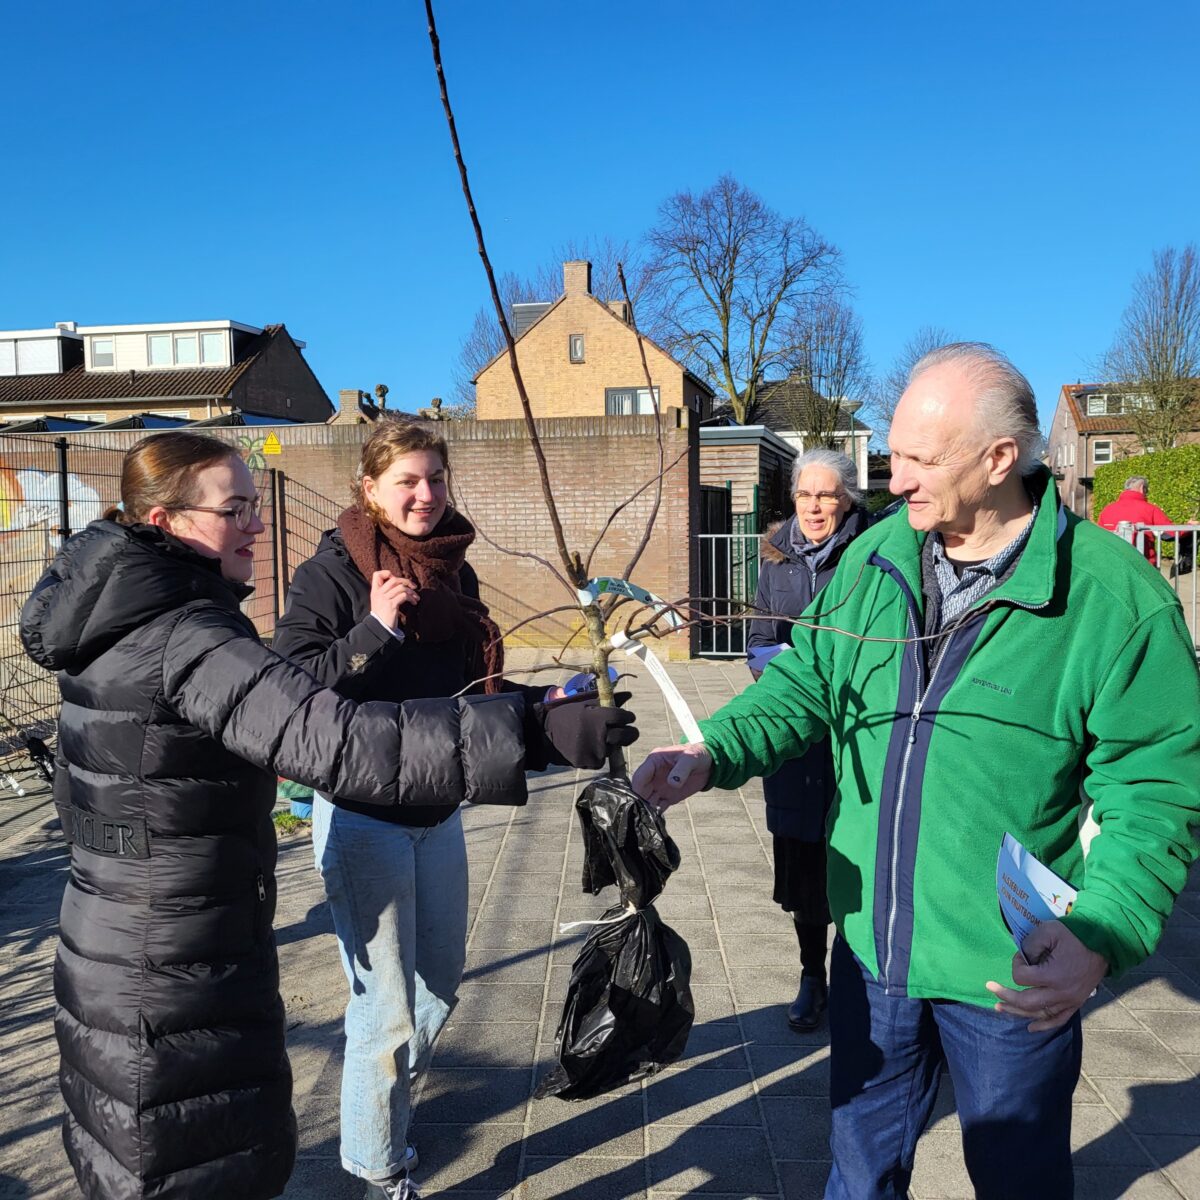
(78, 385)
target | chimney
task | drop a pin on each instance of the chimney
(350, 408)
(577, 278)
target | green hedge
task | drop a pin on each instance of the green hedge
(1174, 477)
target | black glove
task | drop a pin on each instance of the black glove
(576, 732)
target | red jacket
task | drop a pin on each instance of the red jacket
(1133, 507)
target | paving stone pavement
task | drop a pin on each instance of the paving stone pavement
(744, 1114)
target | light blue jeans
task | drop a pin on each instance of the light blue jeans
(399, 899)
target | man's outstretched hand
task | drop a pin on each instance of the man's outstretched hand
(672, 773)
(1059, 976)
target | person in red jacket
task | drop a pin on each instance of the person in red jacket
(1133, 505)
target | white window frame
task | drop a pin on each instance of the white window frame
(93, 418)
(638, 394)
(182, 414)
(112, 353)
(1097, 461)
(175, 340)
(170, 346)
(220, 359)
(575, 340)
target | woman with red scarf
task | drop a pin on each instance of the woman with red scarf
(388, 609)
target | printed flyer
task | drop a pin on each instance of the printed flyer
(1029, 891)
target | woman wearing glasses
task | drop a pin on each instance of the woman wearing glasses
(799, 556)
(175, 722)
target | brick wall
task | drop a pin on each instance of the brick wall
(594, 463)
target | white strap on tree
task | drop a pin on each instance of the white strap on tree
(678, 705)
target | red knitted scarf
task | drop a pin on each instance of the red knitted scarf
(443, 613)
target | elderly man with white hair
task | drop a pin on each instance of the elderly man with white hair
(990, 665)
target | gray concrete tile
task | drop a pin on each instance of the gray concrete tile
(1128, 1183)
(584, 1178)
(1099, 1139)
(713, 1098)
(486, 1044)
(506, 933)
(473, 1096)
(1179, 1158)
(499, 1002)
(713, 1004)
(803, 1180)
(766, 1025)
(798, 1126)
(611, 1126)
(939, 1172)
(1125, 1054)
(737, 1161)
(518, 966)
(1168, 991)
(1155, 1106)
(482, 1159)
(714, 1047)
(1178, 1031)
(800, 1070)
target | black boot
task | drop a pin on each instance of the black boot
(804, 1013)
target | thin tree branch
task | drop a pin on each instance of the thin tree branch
(573, 567)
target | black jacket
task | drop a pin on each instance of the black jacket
(175, 720)
(328, 629)
(799, 794)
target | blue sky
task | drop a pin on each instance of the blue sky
(1002, 170)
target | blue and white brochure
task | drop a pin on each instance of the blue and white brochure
(759, 658)
(1029, 891)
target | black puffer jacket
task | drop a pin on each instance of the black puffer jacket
(175, 721)
(328, 630)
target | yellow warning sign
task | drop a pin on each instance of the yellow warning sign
(271, 445)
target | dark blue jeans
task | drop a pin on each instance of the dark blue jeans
(1013, 1090)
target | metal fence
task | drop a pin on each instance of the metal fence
(51, 489)
(1172, 549)
(728, 565)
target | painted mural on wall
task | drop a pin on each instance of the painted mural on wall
(29, 500)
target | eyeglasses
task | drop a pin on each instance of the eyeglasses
(243, 512)
(824, 499)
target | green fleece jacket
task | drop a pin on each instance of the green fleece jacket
(1070, 690)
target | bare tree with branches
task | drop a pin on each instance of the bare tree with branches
(829, 375)
(727, 272)
(1155, 358)
(890, 386)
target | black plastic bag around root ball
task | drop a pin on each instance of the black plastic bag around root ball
(625, 842)
(629, 1007)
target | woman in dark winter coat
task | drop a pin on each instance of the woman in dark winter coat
(174, 724)
(799, 557)
(396, 881)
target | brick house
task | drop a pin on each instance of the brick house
(182, 371)
(781, 399)
(1092, 426)
(579, 357)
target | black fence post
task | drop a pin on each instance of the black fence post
(64, 497)
(282, 582)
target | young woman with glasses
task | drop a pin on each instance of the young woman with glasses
(175, 722)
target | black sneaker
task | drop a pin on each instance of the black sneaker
(395, 1189)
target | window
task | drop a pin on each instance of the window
(1070, 454)
(158, 351)
(1102, 452)
(212, 347)
(186, 350)
(94, 418)
(102, 352)
(575, 347)
(183, 414)
(626, 402)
